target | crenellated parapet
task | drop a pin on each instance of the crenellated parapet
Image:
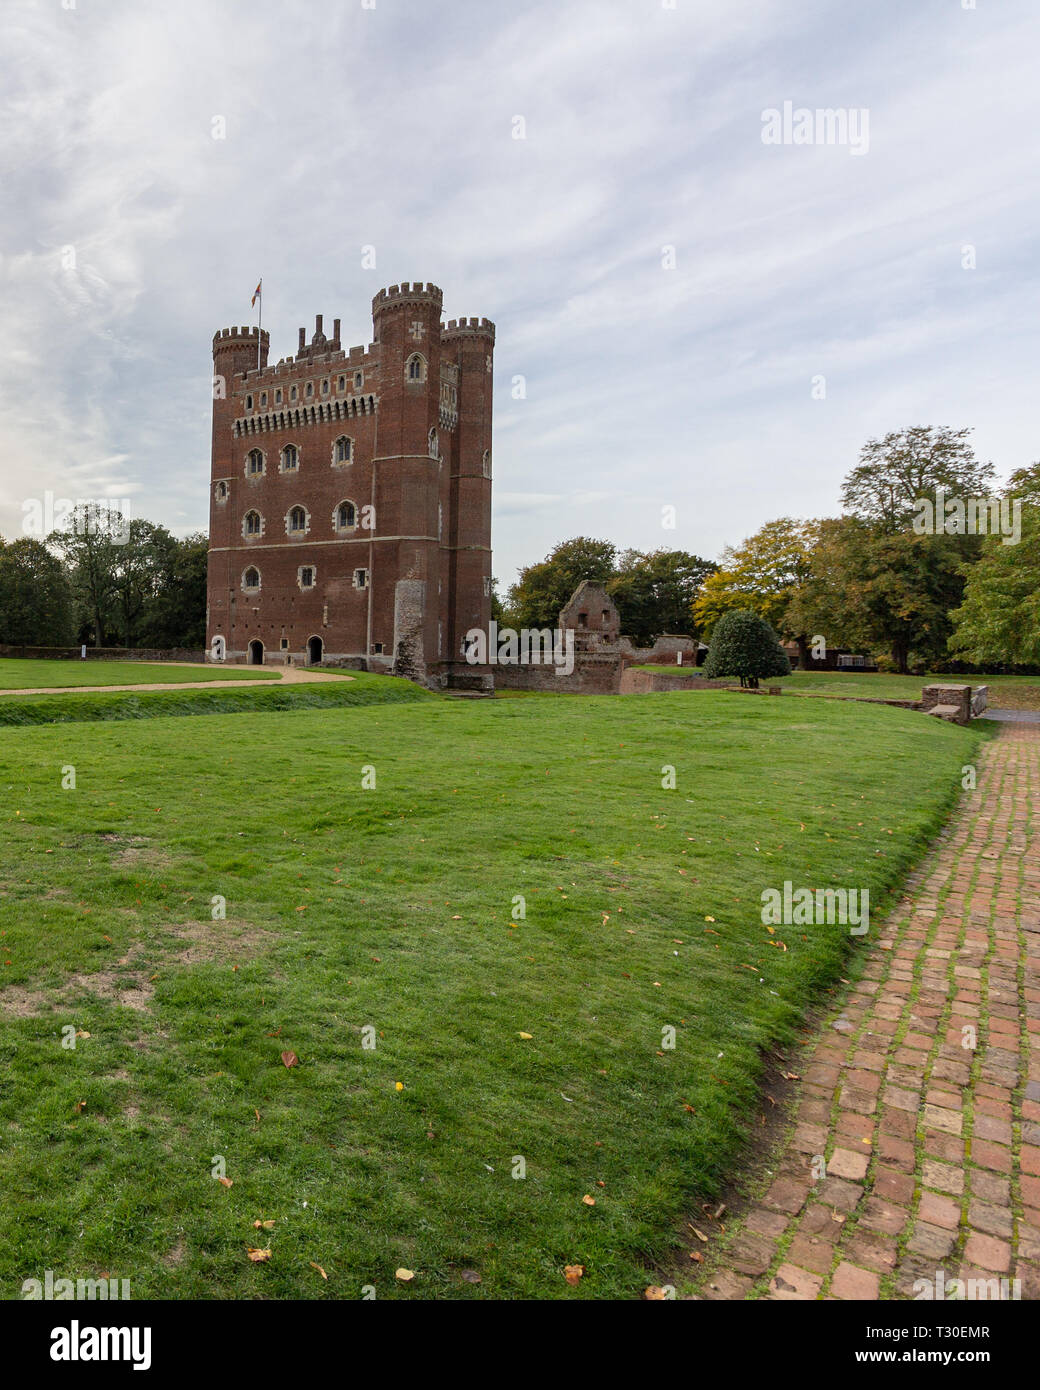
(401, 295)
(468, 328)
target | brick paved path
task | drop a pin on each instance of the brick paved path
(932, 1146)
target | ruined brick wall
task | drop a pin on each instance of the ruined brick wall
(592, 675)
(664, 651)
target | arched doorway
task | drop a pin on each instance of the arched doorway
(256, 653)
(315, 647)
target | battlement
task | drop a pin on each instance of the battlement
(468, 328)
(406, 293)
(234, 336)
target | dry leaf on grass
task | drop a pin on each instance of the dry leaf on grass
(405, 1276)
(319, 1269)
(290, 1059)
(225, 1182)
(572, 1273)
(257, 1256)
(589, 1201)
(264, 1225)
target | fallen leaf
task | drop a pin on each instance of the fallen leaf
(81, 1033)
(264, 1225)
(404, 1275)
(699, 1234)
(697, 1256)
(471, 1276)
(589, 1201)
(526, 1035)
(290, 1059)
(257, 1256)
(572, 1273)
(653, 1294)
(225, 1182)
(80, 1106)
(319, 1269)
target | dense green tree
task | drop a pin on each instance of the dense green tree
(90, 546)
(655, 592)
(541, 591)
(893, 472)
(175, 614)
(743, 644)
(998, 622)
(36, 605)
(883, 590)
(762, 575)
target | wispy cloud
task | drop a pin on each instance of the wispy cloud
(128, 234)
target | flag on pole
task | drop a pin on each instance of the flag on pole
(256, 294)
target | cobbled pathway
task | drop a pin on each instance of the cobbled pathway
(923, 1094)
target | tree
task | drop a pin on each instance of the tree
(90, 546)
(998, 623)
(743, 644)
(36, 606)
(655, 592)
(879, 589)
(142, 571)
(895, 471)
(541, 591)
(761, 575)
(175, 614)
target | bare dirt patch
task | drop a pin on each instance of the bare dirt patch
(222, 940)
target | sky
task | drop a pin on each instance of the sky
(697, 330)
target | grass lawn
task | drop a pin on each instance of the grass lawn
(1005, 692)
(18, 674)
(74, 707)
(383, 916)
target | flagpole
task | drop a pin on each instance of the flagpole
(259, 324)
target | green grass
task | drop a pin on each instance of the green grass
(1005, 692)
(390, 909)
(19, 674)
(75, 708)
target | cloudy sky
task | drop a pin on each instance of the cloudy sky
(655, 378)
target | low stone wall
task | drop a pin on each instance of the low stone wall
(664, 652)
(593, 674)
(635, 682)
(104, 653)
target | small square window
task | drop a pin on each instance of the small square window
(284, 644)
(310, 389)
(361, 579)
(249, 402)
(377, 648)
(306, 577)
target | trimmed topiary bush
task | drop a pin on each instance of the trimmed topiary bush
(743, 644)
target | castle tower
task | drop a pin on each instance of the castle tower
(409, 470)
(470, 343)
(351, 494)
(235, 354)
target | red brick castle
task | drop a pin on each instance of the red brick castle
(350, 505)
